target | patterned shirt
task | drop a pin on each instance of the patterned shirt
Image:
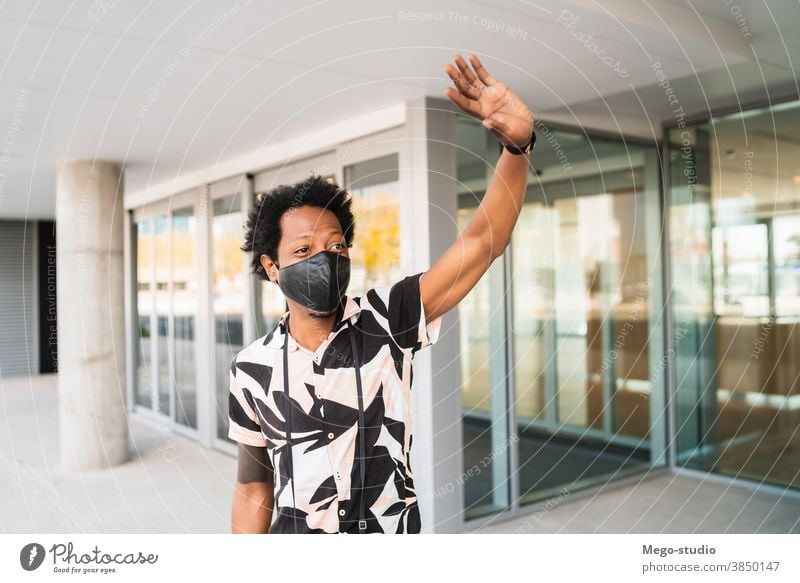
(390, 327)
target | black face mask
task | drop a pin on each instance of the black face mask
(318, 282)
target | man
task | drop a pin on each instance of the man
(321, 405)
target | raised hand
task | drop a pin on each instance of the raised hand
(482, 96)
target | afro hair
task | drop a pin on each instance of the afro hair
(263, 228)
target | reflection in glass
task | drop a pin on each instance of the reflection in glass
(786, 250)
(229, 284)
(739, 254)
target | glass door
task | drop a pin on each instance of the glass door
(735, 246)
(581, 334)
(562, 340)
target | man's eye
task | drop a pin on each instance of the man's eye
(340, 245)
(301, 250)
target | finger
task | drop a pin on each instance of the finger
(467, 72)
(463, 86)
(466, 104)
(483, 74)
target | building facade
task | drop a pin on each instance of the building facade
(642, 317)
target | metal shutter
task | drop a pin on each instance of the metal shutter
(18, 310)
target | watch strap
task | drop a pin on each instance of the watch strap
(516, 150)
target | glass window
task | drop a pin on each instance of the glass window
(273, 303)
(375, 254)
(229, 282)
(143, 391)
(163, 309)
(184, 303)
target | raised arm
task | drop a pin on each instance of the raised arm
(487, 235)
(253, 496)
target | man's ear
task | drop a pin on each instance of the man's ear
(270, 267)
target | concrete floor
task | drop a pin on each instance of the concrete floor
(174, 485)
(170, 485)
(663, 502)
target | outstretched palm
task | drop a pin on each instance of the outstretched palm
(484, 97)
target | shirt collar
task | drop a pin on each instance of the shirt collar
(275, 339)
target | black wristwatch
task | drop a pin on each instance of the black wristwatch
(515, 150)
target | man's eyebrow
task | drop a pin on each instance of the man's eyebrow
(309, 235)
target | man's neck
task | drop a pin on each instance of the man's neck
(310, 331)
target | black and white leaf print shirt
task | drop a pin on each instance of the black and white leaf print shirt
(390, 327)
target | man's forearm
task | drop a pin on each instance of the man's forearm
(499, 210)
(251, 512)
(253, 495)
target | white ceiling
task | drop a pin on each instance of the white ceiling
(170, 88)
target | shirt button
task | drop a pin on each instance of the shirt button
(330, 435)
(342, 512)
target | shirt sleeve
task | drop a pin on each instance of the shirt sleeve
(406, 316)
(243, 423)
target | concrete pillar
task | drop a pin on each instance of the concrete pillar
(91, 321)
